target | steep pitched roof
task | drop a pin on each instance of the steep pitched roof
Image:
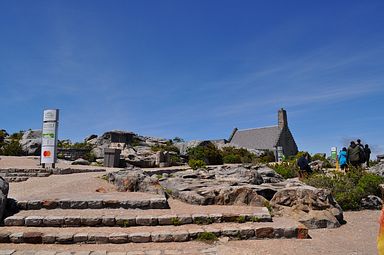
(257, 138)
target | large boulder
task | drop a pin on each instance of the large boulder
(31, 142)
(371, 202)
(377, 169)
(315, 208)
(134, 179)
(4, 188)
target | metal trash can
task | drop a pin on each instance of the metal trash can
(111, 157)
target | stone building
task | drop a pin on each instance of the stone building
(267, 138)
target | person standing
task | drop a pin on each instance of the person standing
(343, 159)
(303, 163)
(354, 153)
(362, 154)
(367, 153)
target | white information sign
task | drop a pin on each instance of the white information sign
(49, 137)
(51, 115)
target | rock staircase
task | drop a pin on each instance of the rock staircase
(65, 211)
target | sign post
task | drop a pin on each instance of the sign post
(49, 137)
(334, 156)
(280, 155)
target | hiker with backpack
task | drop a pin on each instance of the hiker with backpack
(355, 154)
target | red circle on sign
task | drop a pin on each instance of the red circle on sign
(47, 153)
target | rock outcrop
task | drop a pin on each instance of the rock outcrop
(371, 202)
(377, 169)
(134, 179)
(4, 188)
(315, 208)
(31, 142)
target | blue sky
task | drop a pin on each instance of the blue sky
(196, 69)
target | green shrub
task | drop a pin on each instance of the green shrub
(286, 169)
(12, 148)
(207, 153)
(232, 159)
(175, 221)
(196, 164)
(268, 157)
(165, 147)
(240, 219)
(232, 154)
(348, 189)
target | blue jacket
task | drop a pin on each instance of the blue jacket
(343, 158)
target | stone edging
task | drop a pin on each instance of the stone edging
(154, 236)
(20, 174)
(153, 203)
(129, 221)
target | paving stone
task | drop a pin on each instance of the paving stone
(98, 253)
(216, 217)
(90, 221)
(230, 217)
(138, 204)
(172, 252)
(185, 218)
(278, 232)
(201, 219)
(82, 253)
(45, 252)
(64, 238)
(34, 205)
(158, 203)
(136, 253)
(168, 219)
(116, 253)
(14, 221)
(36, 221)
(146, 220)
(16, 237)
(4, 237)
(153, 252)
(48, 238)
(7, 252)
(24, 252)
(125, 221)
(95, 204)
(246, 232)
(32, 237)
(140, 237)
(194, 233)
(64, 253)
(22, 205)
(264, 232)
(111, 204)
(64, 203)
(290, 233)
(230, 231)
(78, 204)
(180, 236)
(50, 204)
(80, 238)
(108, 221)
(53, 221)
(73, 221)
(161, 236)
(118, 238)
(101, 238)
(91, 238)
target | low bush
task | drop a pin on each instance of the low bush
(206, 236)
(12, 148)
(286, 169)
(207, 153)
(165, 147)
(232, 155)
(348, 189)
(196, 164)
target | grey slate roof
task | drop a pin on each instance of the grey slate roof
(257, 138)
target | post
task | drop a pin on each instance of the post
(334, 157)
(49, 137)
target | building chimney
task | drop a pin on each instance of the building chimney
(282, 119)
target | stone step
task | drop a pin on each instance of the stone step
(128, 218)
(183, 233)
(145, 203)
(20, 175)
